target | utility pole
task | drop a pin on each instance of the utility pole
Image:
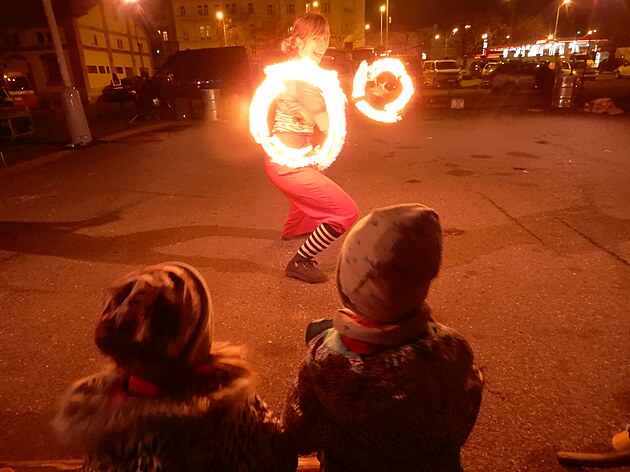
(75, 115)
(387, 26)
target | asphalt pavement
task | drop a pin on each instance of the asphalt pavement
(535, 208)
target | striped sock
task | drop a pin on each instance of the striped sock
(320, 239)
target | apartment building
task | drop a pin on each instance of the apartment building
(255, 24)
(106, 37)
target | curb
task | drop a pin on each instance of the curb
(55, 156)
(305, 464)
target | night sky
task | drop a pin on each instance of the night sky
(611, 15)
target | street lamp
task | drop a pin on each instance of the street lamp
(555, 30)
(382, 10)
(512, 20)
(387, 25)
(221, 17)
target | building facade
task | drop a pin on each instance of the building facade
(258, 25)
(106, 39)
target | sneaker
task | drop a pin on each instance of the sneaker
(304, 269)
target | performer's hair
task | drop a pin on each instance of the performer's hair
(304, 27)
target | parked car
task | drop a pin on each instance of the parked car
(521, 76)
(623, 71)
(609, 65)
(413, 66)
(584, 69)
(127, 91)
(227, 69)
(340, 61)
(441, 73)
(20, 90)
(6, 102)
(360, 54)
(476, 66)
(487, 70)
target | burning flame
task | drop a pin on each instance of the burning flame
(391, 111)
(307, 71)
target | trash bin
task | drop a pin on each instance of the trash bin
(211, 104)
(565, 91)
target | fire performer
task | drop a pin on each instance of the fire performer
(319, 208)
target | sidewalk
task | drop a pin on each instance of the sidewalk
(49, 142)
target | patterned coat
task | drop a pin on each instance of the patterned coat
(407, 408)
(217, 425)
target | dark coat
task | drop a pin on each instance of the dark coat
(215, 424)
(407, 408)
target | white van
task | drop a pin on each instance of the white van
(440, 73)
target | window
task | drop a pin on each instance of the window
(199, 10)
(182, 10)
(290, 9)
(271, 9)
(202, 32)
(164, 35)
(119, 70)
(40, 38)
(11, 39)
(107, 69)
(51, 69)
(252, 30)
(101, 70)
(326, 7)
(233, 8)
(186, 36)
(91, 69)
(119, 43)
(250, 8)
(205, 10)
(95, 39)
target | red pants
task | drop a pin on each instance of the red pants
(315, 199)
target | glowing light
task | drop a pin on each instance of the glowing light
(327, 81)
(391, 111)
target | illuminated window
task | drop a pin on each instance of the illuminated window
(164, 35)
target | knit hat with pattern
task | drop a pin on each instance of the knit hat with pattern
(160, 314)
(388, 260)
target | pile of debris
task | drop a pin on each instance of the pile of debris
(602, 105)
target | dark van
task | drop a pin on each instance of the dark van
(227, 69)
(185, 76)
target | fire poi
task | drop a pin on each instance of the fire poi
(327, 81)
(391, 110)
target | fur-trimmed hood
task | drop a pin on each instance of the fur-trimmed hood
(97, 406)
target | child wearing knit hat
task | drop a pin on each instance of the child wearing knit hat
(171, 400)
(384, 387)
